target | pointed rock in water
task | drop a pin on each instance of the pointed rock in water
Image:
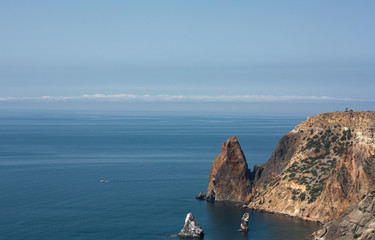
(191, 229)
(244, 222)
(229, 178)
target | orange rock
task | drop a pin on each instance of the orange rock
(229, 178)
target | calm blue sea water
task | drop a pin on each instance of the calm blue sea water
(51, 165)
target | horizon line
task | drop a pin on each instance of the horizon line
(181, 98)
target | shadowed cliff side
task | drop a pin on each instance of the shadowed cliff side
(229, 178)
(280, 158)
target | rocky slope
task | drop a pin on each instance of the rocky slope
(320, 168)
(229, 178)
(357, 222)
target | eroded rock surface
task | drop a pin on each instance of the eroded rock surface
(191, 229)
(229, 178)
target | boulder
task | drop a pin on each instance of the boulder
(201, 196)
(191, 229)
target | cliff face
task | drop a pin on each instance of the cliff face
(229, 178)
(320, 168)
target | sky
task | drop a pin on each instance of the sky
(238, 56)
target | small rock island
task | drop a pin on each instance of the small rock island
(191, 229)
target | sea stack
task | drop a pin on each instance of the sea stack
(191, 229)
(244, 222)
(229, 178)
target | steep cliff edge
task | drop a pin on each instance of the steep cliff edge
(229, 178)
(319, 169)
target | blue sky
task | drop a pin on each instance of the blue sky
(261, 56)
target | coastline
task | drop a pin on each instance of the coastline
(282, 214)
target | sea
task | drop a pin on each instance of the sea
(111, 175)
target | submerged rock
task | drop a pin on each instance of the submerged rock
(244, 222)
(191, 229)
(229, 178)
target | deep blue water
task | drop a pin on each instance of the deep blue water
(51, 165)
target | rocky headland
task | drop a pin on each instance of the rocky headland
(318, 171)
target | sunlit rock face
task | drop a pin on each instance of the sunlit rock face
(229, 178)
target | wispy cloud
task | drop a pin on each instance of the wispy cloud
(179, 98)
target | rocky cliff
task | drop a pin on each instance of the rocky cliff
(319, 169)
(229, 178)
